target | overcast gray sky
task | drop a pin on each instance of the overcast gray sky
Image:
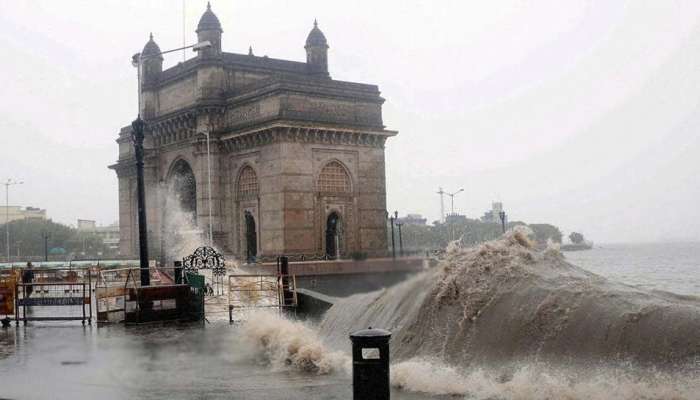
(579, 113)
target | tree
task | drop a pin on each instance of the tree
(576, 238)
(544, 232)
(27, 239)
(471, 231)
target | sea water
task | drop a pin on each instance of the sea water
(673, 267)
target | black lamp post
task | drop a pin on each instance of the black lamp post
(400, 240)
(137, 135)
(502, 215)
(138, 127)
(46, 235)
(393, 246)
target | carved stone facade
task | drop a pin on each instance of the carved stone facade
(297, 158)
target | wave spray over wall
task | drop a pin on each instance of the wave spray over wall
(504, 320)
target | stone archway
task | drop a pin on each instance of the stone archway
(247, 189)
(183, 186)
(179, 232)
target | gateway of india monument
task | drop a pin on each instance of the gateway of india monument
(296, 158)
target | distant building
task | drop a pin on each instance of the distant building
(412, 219)
(455, 218)
(16, 213)
(493, 216)
(86, 225)
(109, 234)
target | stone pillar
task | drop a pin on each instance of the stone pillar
(372, 201)
(270, 223)
(298, 191)
(204, 161)
(127, 197)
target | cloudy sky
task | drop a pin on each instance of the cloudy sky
(579, 113)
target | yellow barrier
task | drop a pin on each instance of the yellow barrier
(8, 282)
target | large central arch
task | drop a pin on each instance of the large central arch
(179, 232)
(183, 186)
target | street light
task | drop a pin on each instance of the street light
(211, 233)
(399, 224)
(46, 235)
(393, 246)
(442, 194)
(7, 184)
(452, 199)
(138, 127)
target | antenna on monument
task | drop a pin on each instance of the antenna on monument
(184, 35)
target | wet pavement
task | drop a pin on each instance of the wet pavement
(67, 360)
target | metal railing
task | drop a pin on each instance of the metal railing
(52, 294)
(247, 291)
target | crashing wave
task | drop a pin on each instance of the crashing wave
(506, 300)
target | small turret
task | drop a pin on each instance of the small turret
(209, 28)
(152, 62)
(317, 52)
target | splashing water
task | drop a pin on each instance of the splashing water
(505, 300)
(506, 321)
(181, 235)
(537, 382)
(283, 344)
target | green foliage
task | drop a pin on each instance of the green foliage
(543, 232)
(28, 236)
(576, 238)
(470, 231)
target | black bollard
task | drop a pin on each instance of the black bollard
(370, 364)
(178, 272)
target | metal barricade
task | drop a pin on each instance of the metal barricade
(246, 291)
(54, 288)
(110, 293)
(113, 286)
(8, 285)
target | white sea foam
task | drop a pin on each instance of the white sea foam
(537, 382)
(285, 344)
(181, 235)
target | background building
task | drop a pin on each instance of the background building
(86, 225)
(412, 219)
(455, 218)
(297, 158)
(15, 213)
(493, 215)
(108, 234)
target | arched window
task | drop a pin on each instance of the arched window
(247, 183)
(334, 179)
